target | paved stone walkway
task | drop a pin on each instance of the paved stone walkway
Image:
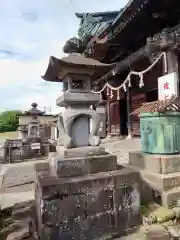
(17, 183)
(122, 148)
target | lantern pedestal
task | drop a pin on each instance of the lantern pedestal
(86, 197)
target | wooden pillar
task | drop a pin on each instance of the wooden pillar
(172, 62)
(108, 116)
(129, 110)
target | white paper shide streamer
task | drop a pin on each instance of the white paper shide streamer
(127, 81)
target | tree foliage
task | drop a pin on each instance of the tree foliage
(9, 120)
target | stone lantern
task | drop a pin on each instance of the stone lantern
(33, 142)
(79, 191)
(77, 73)
(30, 126)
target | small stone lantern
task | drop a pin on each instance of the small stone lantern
(32, 126)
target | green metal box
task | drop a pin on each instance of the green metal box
(160, 132)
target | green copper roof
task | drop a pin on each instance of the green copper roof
(92, 24)
(95, 24)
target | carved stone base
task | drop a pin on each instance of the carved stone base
(87, 207)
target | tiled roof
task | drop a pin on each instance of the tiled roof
(92, 24)
(56, 66)
(75, 59)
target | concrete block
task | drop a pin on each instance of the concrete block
(159, 182)
(170, 198)
(170, 164)
(167, 185)
(162, 164)
(144, 161)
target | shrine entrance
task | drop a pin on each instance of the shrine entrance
(118, 120)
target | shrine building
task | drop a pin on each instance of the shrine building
(143, 41)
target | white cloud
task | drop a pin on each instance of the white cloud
(32, 31)
(20, 73)
(45, 99)
(24, 80)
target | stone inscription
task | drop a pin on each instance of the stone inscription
(70, 163)
(88, 208)
(69, 168)
(85, 187)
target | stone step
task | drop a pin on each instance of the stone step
(162, 164)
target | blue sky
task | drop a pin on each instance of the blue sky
(30, 32)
